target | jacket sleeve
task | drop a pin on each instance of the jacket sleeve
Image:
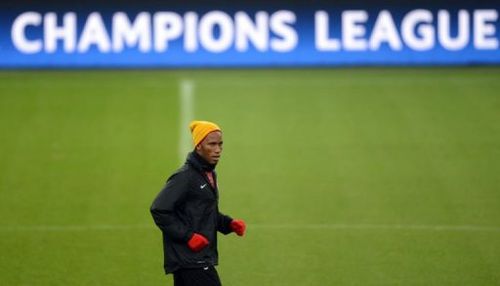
(224, 223)
(165, 204)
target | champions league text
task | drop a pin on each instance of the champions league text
(218, 31)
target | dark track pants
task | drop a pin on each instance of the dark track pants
(197, 277)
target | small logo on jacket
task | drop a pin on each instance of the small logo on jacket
(203, 186)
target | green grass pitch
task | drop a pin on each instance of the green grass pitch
(370, 176)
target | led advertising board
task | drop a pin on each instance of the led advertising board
(241, 34)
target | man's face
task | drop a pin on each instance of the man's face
(211, 147)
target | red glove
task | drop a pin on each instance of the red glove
(197, 242)
(238, 226)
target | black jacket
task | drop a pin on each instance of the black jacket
(189, 204)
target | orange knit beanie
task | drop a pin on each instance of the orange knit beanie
(200, 130)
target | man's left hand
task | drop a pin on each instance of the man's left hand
(238, 226)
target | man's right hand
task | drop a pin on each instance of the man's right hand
(197, 242)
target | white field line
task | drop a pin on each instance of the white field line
(186, 114)
(381, 227)
(64, 228)
(360, 227)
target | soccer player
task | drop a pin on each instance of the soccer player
(187, 212)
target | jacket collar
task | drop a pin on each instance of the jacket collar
(195, 160)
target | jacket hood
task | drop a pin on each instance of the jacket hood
(195, 160)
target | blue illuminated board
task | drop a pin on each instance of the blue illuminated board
(237, 35)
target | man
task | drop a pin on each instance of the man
(187, 212)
